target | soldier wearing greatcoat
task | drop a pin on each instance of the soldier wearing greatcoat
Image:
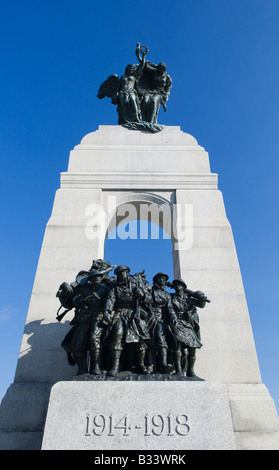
(126, 316)
(186, 332)
(163, 314)
(85, 335)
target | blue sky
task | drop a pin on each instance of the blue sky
(223, 59)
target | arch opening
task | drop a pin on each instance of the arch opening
(140, 244)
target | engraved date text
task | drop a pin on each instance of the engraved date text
(150, 425)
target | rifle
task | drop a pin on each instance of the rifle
(138, 311)
(193, 294)
(137, 301)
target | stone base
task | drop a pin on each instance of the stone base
(255, 419)
(138, 416)
(22, 416)
(23, 412)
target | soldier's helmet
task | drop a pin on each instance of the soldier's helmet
(121, 267)
(179, 281)
(160, 274)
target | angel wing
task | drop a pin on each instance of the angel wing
(109, 87)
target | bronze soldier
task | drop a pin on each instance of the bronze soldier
(186, 332)
(158, 326)
(128, 324)
(86, 331)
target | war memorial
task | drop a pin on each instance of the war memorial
(112, 360)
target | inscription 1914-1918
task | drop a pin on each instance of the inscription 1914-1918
(150, 425)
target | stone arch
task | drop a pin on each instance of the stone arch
(141, 205)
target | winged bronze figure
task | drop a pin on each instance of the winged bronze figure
(139, 93)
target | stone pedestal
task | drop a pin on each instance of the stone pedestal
(139, 416)
(111, 167)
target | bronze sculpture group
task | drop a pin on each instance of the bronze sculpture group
(122, 322)
(139, 93)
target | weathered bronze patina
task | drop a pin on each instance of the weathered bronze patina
(139, 93)
(123, 323)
